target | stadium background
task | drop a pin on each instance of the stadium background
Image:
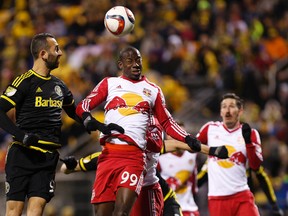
(194, 50)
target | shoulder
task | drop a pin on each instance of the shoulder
(150, 83)
(23, 79)
(57, 80)
(211, 123)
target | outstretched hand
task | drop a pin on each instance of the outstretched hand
(115, 127)
(246, 133)
(91, 124)
(70, 162)
(220, 152)
(107, 129)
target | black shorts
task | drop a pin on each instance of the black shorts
(30, 173)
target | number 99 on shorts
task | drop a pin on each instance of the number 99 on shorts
(127, 178)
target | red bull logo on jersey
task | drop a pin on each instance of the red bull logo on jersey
(235, 158)
(128, 104)
(147, 92)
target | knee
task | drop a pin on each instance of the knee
(122, 210)
(14, 208)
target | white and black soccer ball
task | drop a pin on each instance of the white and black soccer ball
(119, 21)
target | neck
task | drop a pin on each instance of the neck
(231, 126)
(41, 73)
(41, 69)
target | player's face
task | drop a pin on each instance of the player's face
(132, 64)
(54, 54)
(230, 113)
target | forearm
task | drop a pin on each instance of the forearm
(7, 124)
(266, 185)
(89, 163)
(71, 112)
(254, 156)
(205, 149)
(172, 145)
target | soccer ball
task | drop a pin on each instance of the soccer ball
(119, 21)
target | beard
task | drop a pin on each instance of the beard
(52, 62)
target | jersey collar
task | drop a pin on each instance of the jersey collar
(40, 76)
(134, 81)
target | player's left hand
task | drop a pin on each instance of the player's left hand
(115, 127)
(70, 162)
(193, 143)
(246, 133)
(30, 139)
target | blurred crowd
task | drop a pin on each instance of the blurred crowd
(228, 45)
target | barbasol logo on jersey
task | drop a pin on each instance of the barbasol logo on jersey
(40, 102)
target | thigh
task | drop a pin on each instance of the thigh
(125, 199)
(16, 188)
(29, 173)
(113, 175)
(17, 174)
(42, 184)
(103, 209)
(36, 206)
(42, 181)
(246, 205)
(220, 207)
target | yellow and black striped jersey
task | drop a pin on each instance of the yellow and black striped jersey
(38, 102)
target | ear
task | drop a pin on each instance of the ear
(241, 111)
(43, 54)
(120, 65)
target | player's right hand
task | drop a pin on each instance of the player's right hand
(70, 162)
(193, 143)
(30, 139)
(91, 124)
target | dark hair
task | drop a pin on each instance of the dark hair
(126, 49)
(38, 43)
(239, 101)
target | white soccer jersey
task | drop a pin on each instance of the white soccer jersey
(228, 176)
(129, 104)
(181, 167)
